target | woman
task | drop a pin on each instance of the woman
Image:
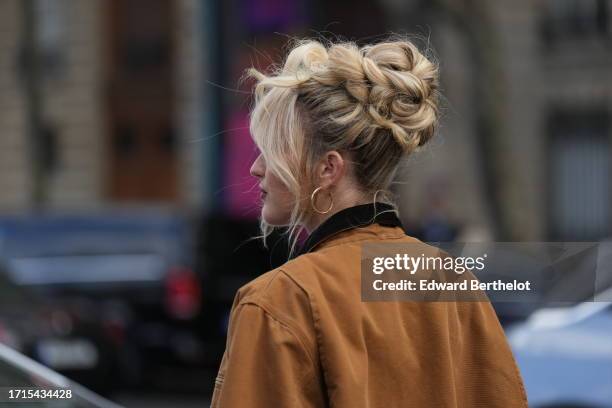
(332, 126)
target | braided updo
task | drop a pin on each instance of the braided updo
(378, 103)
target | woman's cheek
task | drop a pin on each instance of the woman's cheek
(275, 210)
(271, 214)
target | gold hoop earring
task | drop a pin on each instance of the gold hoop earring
(312, 201)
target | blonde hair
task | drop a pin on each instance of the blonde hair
(377, 103)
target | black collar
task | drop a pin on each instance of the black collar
(352, 217)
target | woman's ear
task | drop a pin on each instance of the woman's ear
(331, 169)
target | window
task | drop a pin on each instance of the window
(50, 17)
(571, 19)
(580, 177)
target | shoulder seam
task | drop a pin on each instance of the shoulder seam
(287, 327)
(260, 292)
(260, 299)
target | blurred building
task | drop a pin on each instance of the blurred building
(117, 103)
(139, 101)
(524, 150)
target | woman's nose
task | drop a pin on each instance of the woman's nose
(257, 168)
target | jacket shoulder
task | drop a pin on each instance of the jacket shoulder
(283, 299)
(281, 282)
(269, 287)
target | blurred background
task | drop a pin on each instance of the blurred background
(126, 202)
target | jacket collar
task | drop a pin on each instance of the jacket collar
(353, 217)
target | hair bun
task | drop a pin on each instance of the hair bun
(394, 83)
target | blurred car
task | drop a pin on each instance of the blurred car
(565, 354)
(56, 334)
(18, 372)
(130, 271)
(161, 285)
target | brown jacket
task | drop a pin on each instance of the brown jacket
(300, 336)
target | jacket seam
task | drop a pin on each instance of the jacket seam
(287, 327)
(274, 312)
(318, 335)
(269, 283)
(321, 349)
(260, 300)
